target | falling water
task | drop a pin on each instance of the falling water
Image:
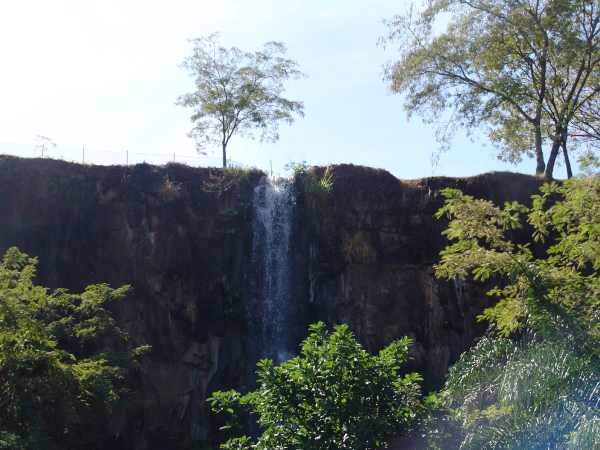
(270, 305)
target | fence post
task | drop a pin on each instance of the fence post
(126, 157)
(173, 157)
(83, 159)
(271, 162)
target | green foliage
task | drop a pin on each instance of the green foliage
(228, 218)
(551, 294)
(232, 222)
(527, 395)
(54, 370)
(521, 71)
(237, 92)
(542, 391)
(334, 396)
(235, 182)
(315, 196)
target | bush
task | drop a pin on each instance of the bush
(541, 390)
(54, 370)
(334, 396)
(314, 197)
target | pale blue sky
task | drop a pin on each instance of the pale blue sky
(104, 75)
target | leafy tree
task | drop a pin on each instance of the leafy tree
(335, 396)
(541, 390)
(238, 91)
(54, 370)
(586, 126)
(519, 70)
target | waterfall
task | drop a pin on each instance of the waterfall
(269, 308)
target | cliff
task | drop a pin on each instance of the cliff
(182, 237)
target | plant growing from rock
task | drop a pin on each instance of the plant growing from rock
(232, 221)
(332, 396)
(221, 180)
(357, 249)
(315, 196)
(168, 190)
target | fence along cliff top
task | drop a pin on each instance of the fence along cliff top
(108, 158)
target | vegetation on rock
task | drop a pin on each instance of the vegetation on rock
(314, 196)
(357, 249)
(221, 180)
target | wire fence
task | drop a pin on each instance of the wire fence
(108, 158)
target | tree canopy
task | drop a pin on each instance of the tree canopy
(54, 369)
(533, 381)
(334, 396)
(238, 92)
(521, 71)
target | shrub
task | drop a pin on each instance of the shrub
(333, 396)
(541, 391)
(315, 196)
(54, 370)
(169, 190)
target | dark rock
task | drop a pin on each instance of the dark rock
(399, 295)
(158, 230)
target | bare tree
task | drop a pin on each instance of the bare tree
(44, 143)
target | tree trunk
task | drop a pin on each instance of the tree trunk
(539, 152)
(560, 136)
(552, 158)
(224, 155)
(567, 162)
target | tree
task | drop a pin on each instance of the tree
(533, 381)
(238, 91)
(574, 83)
(519, 70)
(586, 126)
(54, 370)
(43, 143)
(334, 396)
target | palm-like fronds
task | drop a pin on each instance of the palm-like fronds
(530, 394)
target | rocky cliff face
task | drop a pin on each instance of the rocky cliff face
(182, 238)
(398, 294)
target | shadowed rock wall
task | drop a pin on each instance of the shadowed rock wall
(186, 252)
(398, 294)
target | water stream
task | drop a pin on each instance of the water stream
(269, 308)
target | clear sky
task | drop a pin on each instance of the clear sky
(104, 75)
